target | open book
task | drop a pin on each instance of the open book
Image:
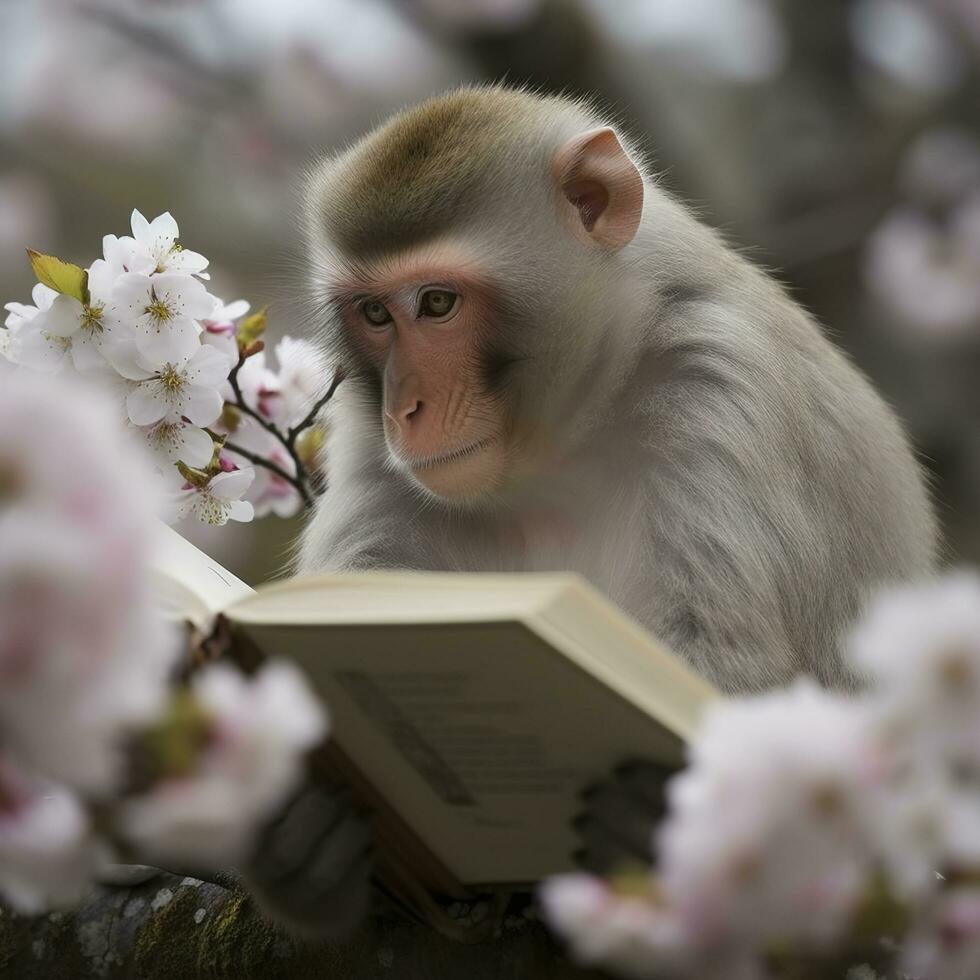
(471, 709)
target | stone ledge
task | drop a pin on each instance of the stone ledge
(172, 927)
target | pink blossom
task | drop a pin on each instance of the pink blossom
(46, 852)
(80, 645)
(260, 728)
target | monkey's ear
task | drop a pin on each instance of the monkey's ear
(598, 178)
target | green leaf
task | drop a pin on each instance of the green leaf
(63, 277)
(196, 478)
(176, 742)
(231, 418)
(879, 912)
(214, 467)
(12, 481)
(309, 445)
(251, 328)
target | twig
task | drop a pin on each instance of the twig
(296, 430)
(257, 460)
(302, 480)
(247, 409)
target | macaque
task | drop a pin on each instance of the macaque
(552, 364)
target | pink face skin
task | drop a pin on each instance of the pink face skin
(420, 322)
(422, 317)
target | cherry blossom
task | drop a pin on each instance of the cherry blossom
(922, 647)
(161, 311)
(173, 439)
(790, 770)
(80, 645)
(187, 388)
(159, 238)
(31, 343)
(947, 945)
(219, 500)
(6, 364)
(835, 808)
(46, 857)
(220, 327)
(125, 254)
(141, 326)
(41, 349)
(156, 241)
(257, 730)
(628, 933)
(271, 493)
(928, 274)
(906, 41)
(738, 40)
(923, 643)
(20, 313)
(303, 377)
(86, 662)
(260, 387)
(66, 326)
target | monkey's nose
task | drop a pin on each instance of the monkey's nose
(406, 415)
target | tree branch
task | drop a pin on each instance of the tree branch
(302, 481)
(256, 460)
(247, 409)
(296, 430)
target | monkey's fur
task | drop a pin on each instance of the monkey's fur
(729, 477)
(705, 456)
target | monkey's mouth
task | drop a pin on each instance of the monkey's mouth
(441, 459)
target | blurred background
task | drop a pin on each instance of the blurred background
(837, 142)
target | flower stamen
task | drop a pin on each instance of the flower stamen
(158, 309)
(171, 379)
(92, 318)
(61, 343)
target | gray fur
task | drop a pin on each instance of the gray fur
(732, 480)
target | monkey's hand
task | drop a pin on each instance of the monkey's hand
(619, 817)
(311, 867)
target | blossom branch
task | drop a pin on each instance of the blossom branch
(297, 430)
(247, 409)
(302, 481)
(300, 484)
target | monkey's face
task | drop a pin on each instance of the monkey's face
(469, 251)
(421, 326)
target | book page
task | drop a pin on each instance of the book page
(562, 608)
(187, 583)
(402, 597)
(480, 736)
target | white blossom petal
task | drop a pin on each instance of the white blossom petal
(201, 405)
(46, 857)
(62, 318)
(208, 367)
(173, 440)
(240, 510)
(40, 351)
(175, 342)
(232, 485)
(261, 728)
(81, 650)
(147, 404)
(86, 351)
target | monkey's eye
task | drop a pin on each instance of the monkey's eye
(437, 303)
(375, 312)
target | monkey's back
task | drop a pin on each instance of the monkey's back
(703, 453)
(791, 491)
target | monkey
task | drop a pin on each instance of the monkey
(551, 364)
